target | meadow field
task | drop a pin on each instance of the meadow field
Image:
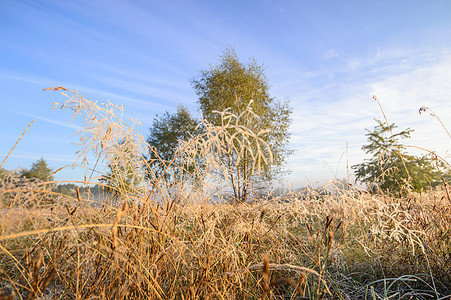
(170, 235)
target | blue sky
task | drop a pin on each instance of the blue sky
(327, 57)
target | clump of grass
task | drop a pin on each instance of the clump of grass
(155, 237)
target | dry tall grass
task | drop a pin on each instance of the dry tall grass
(173, 238)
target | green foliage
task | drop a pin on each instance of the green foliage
(3, 172)
(165, 134)
(235, 86)
(39, 170)
(123, 176)
(66, 189)
(390, 167)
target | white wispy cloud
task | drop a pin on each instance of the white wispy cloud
(146, 105)
(48, 157)
(43, 82)
(27, 78)
(331, 53)
(52, 121)
(168, 94)
(326, 118)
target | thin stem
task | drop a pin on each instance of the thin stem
(425, 108)
(16, 143)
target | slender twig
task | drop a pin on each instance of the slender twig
(446, 189)
(16, 143)
(425, 108)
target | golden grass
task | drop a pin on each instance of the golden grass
(167, 239)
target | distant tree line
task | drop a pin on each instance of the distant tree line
(39, 170)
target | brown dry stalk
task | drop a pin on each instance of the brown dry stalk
(16, 144)
(282, 281)
(120, 213)
(49, 277)
(321, 297)
(330, 241)
(37, 265)
(300, 289)
(446, 189)
(266, 277)
(277, 267)
(72, 227)
(3, 296)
